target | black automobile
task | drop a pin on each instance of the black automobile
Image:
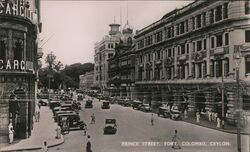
(144, 107)
(164, 112)
(110, 126)
(105, 104)
(72, 120)
(136, 104)
(175, 113)
(54, 103)
(89, 104)
(43, 102)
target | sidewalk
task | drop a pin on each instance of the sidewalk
(44, 130)
(212, 125)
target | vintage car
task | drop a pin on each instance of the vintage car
(57, 113)
(136, 104)
(175, 113)
(164, 112)
(126, 102)
(144, 107)
(43, 102)
(89, 104)
(72, 120)
(110, 126)
(54, 103)
(105, 104)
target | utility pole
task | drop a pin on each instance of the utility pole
(238, 110)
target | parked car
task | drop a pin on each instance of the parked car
(175, 113)
(136, 104)
(144, 107)
(105, 104)
(89, 104)
(43, 102)
(73, 120)
(110, 126)
(164, 112)
(54, 103)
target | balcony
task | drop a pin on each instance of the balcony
(187, 81)
(183, 57)
(158, 62)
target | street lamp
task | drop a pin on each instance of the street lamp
(237, 57)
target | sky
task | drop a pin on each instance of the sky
(71, 28)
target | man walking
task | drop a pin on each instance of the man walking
(175, 140)
(152, 119)
(92, 119)
(88, 145)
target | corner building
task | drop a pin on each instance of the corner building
(186, 56)
(104, 50)
(19, 27)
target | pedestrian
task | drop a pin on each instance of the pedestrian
(85, 129)
(92, 118)
(45, 147)
(88, 145)
(176, 141)
(152, 119)
(11, 133)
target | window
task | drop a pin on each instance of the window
(193, 23)
(204, 19)
(110, 55)
(226, 67)
(212, 42)
(182, 48)
(182, 28)
(212, 69)
(18, 51)
(247, 7)
(177, 29)
(226, 39)
(187, 48)
(198, 21)
(2, 50)
(205, 44)
(186, 25)
(211, 16)
(247, 63)
(218, 13)
(158, 55)
(204, 70)
(178, 50)
(169, 53)
(219, 40)
(199, 45)
(247, 36)
(173, 52)
(225, 11)
(193, 46)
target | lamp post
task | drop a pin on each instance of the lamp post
(237, 57)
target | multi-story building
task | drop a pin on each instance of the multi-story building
(104, 50)
(121, 66)
(19, 28)
(86, 80)
(186, 56)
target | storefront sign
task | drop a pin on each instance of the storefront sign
(17, 8)
(16, 65)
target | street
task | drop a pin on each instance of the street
(136, 134)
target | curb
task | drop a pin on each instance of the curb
(227, 131)
(34, 148)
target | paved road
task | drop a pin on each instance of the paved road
(136, 134)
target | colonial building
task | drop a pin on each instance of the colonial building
(104, 50)
(121, 66)
(186, 56)
(19, 27)
(86, 80)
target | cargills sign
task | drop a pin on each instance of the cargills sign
(20, 65)
(17, 8)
